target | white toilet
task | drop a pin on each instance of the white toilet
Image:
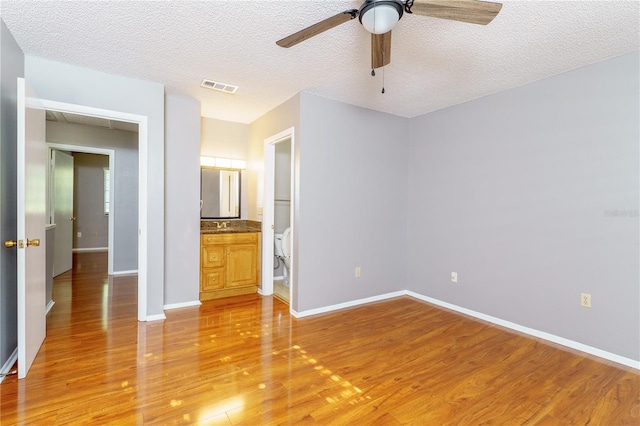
(283, 251)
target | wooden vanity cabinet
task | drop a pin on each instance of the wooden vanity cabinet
(229, 264)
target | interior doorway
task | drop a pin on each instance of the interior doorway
(279, 212)
(141, 235)
(110, 154)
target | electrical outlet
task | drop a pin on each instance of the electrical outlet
(358, 272)
(585, 300)
(454, 277)
(79, 234)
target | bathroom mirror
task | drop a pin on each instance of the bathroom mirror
(219, 193)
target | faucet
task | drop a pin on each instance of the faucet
(221, 224)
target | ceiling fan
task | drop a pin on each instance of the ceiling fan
(380, 16)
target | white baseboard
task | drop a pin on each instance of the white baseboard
(131, 272)
(532, 332)
(157, 317)
(349, 304)
(7, 365)
(89, 249)
(49, 306)
(182, 305)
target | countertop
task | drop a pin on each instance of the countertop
(234, 226)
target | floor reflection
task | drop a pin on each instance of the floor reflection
(228, 361)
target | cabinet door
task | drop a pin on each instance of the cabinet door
(242, 265)
(212, 279)
(213, 256)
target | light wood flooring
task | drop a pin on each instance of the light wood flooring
(246, 361)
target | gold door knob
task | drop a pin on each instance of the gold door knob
(10, 243)
(35, 242)
(72, 218)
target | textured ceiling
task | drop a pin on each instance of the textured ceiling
(434, 63)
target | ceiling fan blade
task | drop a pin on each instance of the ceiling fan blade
(318, 28)
(380, 50)
(472, 11)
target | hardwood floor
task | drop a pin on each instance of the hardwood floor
(246, 361)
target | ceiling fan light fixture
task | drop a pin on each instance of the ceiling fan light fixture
(380, 16)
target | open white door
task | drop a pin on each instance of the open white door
(31, 166)
(63, 212)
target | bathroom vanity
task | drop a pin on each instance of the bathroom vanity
(229, 258)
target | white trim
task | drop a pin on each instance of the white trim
(268, 213)
(143, 143)
(182, 305)
(157, 317)
(90, 250)
(7, 365)
(49, 306)
(530, 331)
(349, 304)
(131, 272)
(50, 226)
(142, 219)
(268, 219)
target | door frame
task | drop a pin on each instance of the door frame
(112, 206)
(268, 214)
(142, 123)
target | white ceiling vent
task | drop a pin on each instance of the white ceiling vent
(221, 87)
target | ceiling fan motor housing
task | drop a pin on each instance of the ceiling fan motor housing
(380, 16)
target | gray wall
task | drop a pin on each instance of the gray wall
(68, 83)
(352, 202)
(11, 67)
(125, 176)
(532, 196)
(282, 117)
(88, 201)
(182, 201)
